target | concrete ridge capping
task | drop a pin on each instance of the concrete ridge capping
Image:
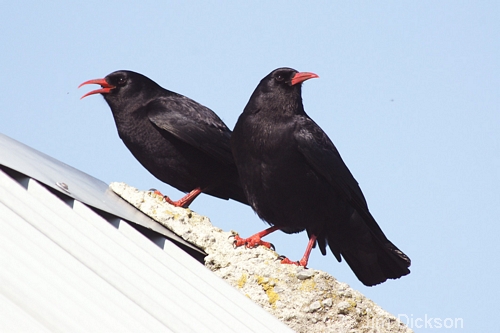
(306, 300)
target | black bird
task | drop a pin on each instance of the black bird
(178, 140)
(295, 180)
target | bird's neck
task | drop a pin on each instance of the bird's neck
(130, 119)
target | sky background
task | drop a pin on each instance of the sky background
(409, 92)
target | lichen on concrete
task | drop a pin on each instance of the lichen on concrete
(307, 300)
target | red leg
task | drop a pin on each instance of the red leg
(185, 201)
(255, 240)
(305, 258)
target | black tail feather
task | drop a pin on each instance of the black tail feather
(371, 256)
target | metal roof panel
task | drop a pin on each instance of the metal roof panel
(66, 267)
(80, 186)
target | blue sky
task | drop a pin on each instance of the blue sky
(408, 91)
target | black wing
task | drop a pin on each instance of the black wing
(323, 157)
(321, 154)
(192, 123)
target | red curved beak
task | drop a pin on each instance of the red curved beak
(106, 87)
(302, 76)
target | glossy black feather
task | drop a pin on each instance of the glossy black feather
(178, 140)
(295, 178)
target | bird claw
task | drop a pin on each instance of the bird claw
(250, 242)
(155, 191)
(179, 203)
(285, 260)
(235, 241)
(238, 241)
(165, 197)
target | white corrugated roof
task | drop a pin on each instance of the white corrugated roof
(66, 267)
(80, 186)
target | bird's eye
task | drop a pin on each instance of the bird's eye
(279, 78)
(122, 81)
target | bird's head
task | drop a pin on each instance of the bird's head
(121, 83)
(108, 84)
(280, 90)
(285, 79)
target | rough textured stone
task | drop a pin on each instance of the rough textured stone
(305, 274)
(307, 300)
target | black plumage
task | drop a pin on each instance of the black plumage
(178, 140)
(295, 180)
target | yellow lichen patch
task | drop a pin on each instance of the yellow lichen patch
(242, 280)
(308, 285)
(352, 304)
(268, 286)
(346, 309)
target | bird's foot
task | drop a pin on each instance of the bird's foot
(178, 203)
(251, 242)
(155, 191)
(285, 260)
(183, 202)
